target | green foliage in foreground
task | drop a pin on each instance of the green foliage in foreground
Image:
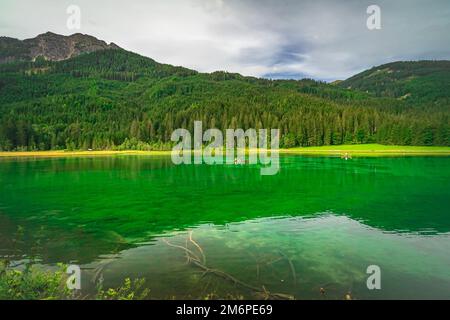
(31, 284)
(34, 284)
(115, 99)
(130, 290)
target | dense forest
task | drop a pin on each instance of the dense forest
(115, 99)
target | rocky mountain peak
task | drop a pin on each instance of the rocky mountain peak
(51, 46)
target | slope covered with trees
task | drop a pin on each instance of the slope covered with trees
(408, 80)
(114, 99)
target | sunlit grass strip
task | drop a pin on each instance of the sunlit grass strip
(354, 150)
(59, 153)
(370, 150)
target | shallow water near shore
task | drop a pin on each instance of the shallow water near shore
(319, 223)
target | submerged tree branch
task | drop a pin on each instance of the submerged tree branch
(195, 260)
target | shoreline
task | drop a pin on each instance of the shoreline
(351, 150)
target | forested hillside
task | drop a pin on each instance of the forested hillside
(408, 80)
(114, 99)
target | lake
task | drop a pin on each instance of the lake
(319, 223)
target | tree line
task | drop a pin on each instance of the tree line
(114, 99)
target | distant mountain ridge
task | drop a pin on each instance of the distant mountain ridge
(107, 98)
(414, 80)
(50, 46)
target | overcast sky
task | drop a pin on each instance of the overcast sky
(321, 39)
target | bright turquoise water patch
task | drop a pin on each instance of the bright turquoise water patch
(318, 223)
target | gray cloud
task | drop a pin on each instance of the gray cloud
(322, 39)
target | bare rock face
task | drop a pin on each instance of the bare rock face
(50, 46)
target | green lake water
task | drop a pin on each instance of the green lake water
(319, 223)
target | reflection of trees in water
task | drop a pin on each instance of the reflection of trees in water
(50, 245)
(143, 197)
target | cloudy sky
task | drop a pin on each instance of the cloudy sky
(321, 39)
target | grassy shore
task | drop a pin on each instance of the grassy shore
(371, 150)
(352, 150)
(62, 153)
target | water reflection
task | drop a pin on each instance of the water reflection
(114, 212)
(290, 256)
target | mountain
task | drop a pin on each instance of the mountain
(50, 46)
(412, 80)
(116, 99)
